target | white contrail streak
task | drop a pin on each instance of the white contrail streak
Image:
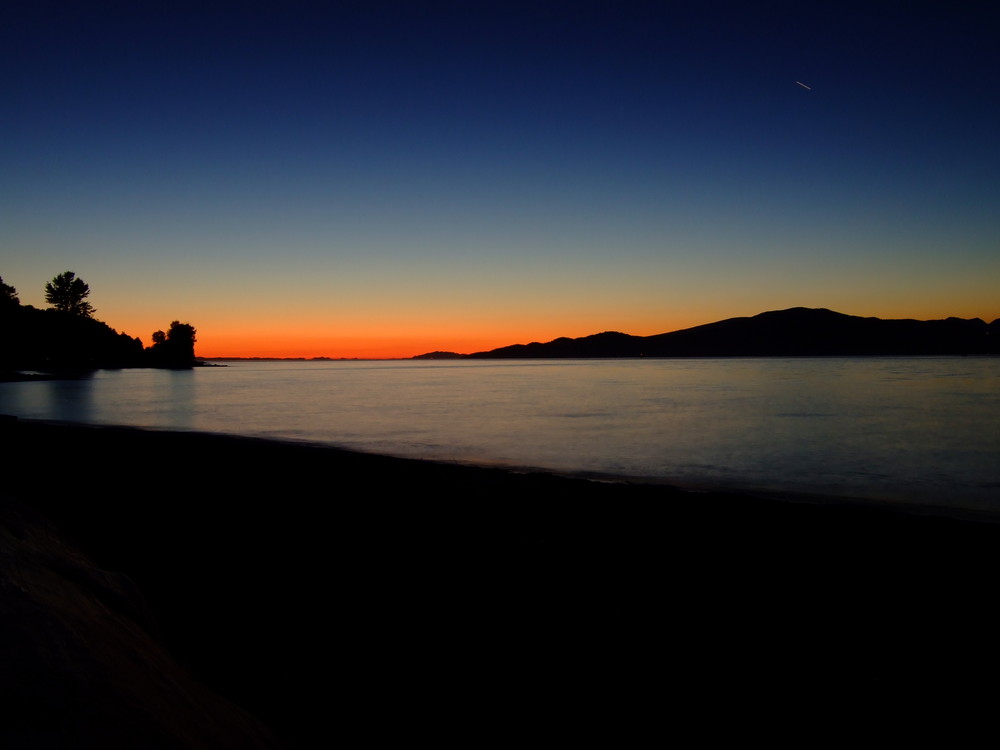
(803, 85)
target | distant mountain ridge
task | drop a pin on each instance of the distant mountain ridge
(796, 332)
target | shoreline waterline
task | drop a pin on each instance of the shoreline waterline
(690, 491)
(420, 583)
(903, 431)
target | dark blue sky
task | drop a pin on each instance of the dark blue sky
(442, 174)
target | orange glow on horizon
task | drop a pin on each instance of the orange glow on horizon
(386, 340)
(391, 340)
(375, 346)
(383, 339)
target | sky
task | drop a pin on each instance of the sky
(366, 179)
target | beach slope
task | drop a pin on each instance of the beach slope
(317, 588)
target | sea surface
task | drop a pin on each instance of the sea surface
(918, 430)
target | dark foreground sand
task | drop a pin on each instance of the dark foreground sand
(333, 594)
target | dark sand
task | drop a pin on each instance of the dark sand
(331, 592)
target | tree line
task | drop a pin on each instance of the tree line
(66, 336)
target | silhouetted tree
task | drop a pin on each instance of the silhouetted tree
(8, 295)
(181, 338)
(68, 293)
(175, 348)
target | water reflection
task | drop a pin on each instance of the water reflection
(153, 398)
(70, 400)
(891, 427)
(179, 409)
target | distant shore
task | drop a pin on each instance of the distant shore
(414, 585)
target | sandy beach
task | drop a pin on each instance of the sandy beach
(319, 589)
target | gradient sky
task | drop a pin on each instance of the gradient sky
(370, 179)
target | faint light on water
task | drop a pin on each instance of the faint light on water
(922, 429)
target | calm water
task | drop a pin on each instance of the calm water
(916, 429)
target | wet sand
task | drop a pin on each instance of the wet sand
(329, 591)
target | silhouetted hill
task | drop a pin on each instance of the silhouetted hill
(798, 331)
(808, 332)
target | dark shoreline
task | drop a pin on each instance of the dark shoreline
(429, 597)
